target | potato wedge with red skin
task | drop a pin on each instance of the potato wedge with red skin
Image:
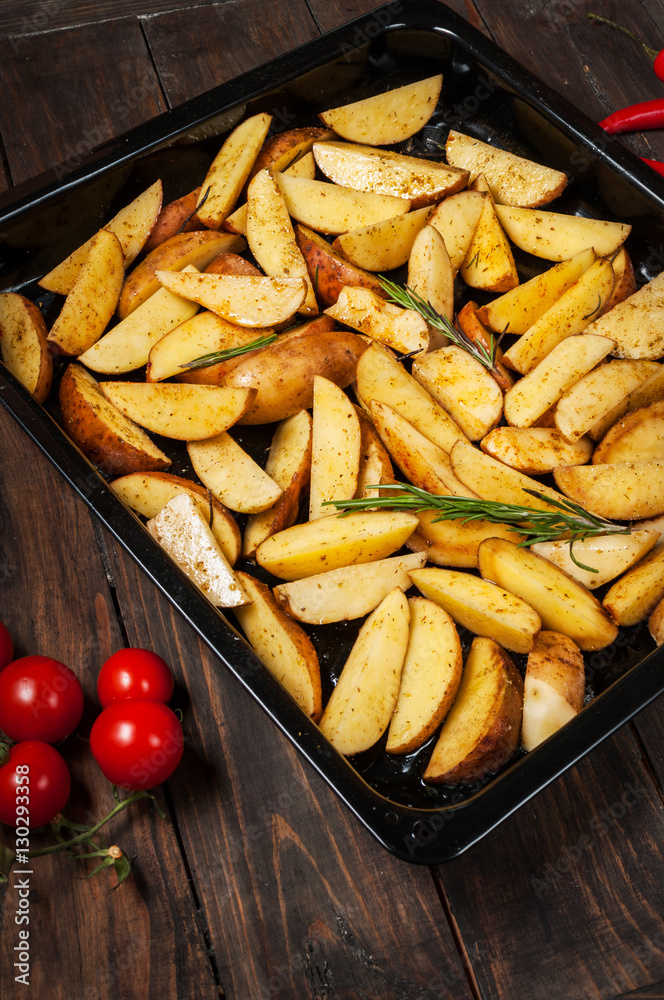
(535, 450)
(23, 344)
(463, 387)
(230, 169)
(482, 729)
(456, 218)
(232, 263)
(328, 269)
(289, 466)
(92, 299)
(286, 148)
(329, 208)
(361, 704)
(197, 248)
(205, 333)
(634, 597)
(243, 299)
(430, 677)
(109, 439)
(469, 323)
(638, 437)
(177, 216)
(385, 245)
(283, 373)
(656, 623)
(282, 645)
(148, 492)
(389, 117)
(553, 689)
(403, 330)
(489, 262)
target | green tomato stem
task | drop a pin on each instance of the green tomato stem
(93, 829)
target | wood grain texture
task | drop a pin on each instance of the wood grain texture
(196, 49)
(86, 942)
(570, 887)
(300, 900)
(65, 92)
(332, 15)
(23, 17)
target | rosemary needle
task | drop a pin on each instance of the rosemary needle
(205, 360)
(409, 299)
(569, 520)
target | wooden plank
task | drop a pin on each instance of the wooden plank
(23, 17)
(299, 898)
(55, 600)
(196, 49)
(580, 58)
(570, 887)
(330, 15)
(65, 92)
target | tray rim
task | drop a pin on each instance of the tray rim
(418, 835)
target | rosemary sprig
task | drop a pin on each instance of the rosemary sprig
(205, 360)
(408, 299)
(569, 520)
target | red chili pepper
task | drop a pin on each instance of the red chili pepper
(658, 65)
(655, 164)
(636, 117)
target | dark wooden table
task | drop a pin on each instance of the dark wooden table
(258, 884)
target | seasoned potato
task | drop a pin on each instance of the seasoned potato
(553, 688)
(328, 269)
(638, 437)
(386, 118)
(23, 344)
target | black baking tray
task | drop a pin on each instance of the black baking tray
(486, 93)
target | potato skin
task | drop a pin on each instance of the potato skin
(284, 372)
(30, 316)
(171, 218)
(83, 410)
(328, 270)
(280, 145)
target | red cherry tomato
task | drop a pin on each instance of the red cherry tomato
(34, 784)
(134, 673)
(137, 744)
(6, 647)
(40, 699)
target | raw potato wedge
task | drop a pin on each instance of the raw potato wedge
(109, 439)
(231, 475)
(403, 330)
(286, 149)
(621, 491)
(242, 299)
(423, 462)
(148, 492)
(430, 276)
(535, 450)
(328, 268)
(625, 284)
(517, 310)
(384, 245)
(204, 333)
(491, 480)
(430, 677)
(453, 542)
(570, 315)
(329, 208)
(489, 263)
(482, 729)
(361, 704)
(92, 299)
(463, 387)
(386, 118)
(598, 393)
(280, 643)
(335, 448)
(182, 412)
(481, 607)
(379, 376)
(637, 593)
(132, 226)
(348, 592)
(283, 373)
(382, 171)
(637, 323)
(456, 219)
(331, 542)
(182, 530)
(608, 555)
(513, 180)
(271, 237)
(554, 236)
(638, 437)
(230, 170)
(289, 466)
(563, 604)
(469, 323)
(375, 462)
(543, 386)
(656, 623)
(127, 346)
(649, 391)
(197, 249)
(23, 344)
(553, 689)
(177, 216)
